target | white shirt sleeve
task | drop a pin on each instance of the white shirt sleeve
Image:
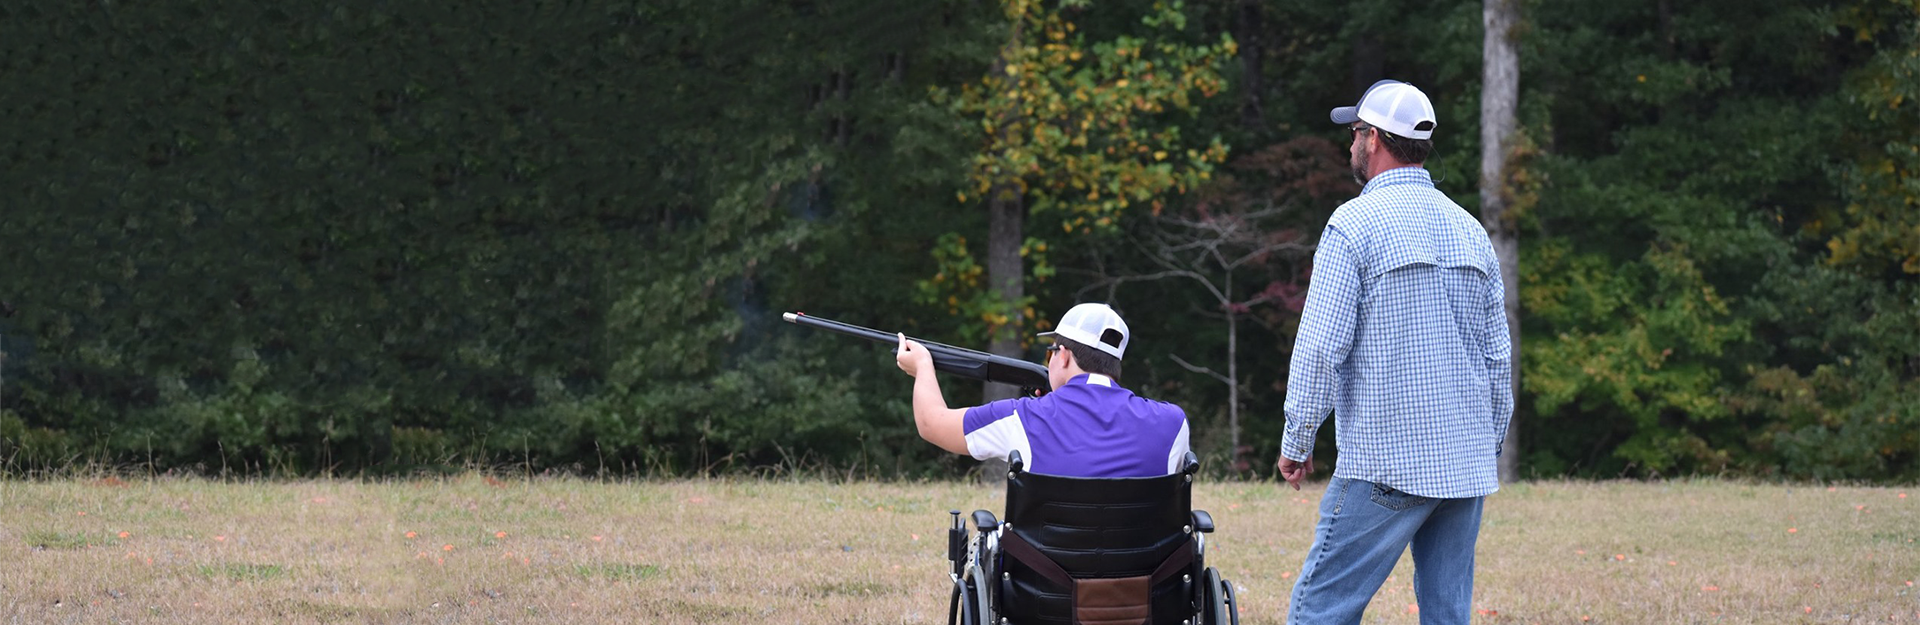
(1002, 436)
(1178, 453)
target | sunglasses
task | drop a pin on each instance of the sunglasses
(1359, 128)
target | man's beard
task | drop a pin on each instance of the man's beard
(1359, 163)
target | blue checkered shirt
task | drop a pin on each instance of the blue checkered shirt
(1404, 338)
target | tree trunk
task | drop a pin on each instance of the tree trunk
(1006, 275)
(1248, 35)
(1369, 63)
(1006, 272)
(1499, 95)
(1233, 389)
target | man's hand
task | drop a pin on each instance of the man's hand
(912, 357)
(1295, 471)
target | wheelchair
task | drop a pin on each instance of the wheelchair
(1088, 551)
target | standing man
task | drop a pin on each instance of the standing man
(1404, 338)
(1087, 427)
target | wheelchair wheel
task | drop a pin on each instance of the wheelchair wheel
(976, 603)
(1220, 608)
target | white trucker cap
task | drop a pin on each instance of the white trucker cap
(1393, 106)
(1095, 326)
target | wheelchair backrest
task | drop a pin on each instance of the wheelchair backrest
(1095, 528)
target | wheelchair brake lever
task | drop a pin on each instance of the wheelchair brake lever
(956, 544)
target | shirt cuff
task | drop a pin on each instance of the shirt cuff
(1297, 443)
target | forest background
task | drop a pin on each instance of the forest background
(371, 238)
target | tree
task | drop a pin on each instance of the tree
(1240, 241)
(1499, 95)
(1075, 129)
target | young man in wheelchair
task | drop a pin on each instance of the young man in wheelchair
(1089, 426)
(1100, 528)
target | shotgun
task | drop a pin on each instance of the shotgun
(960, 361)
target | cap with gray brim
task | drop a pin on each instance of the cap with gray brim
(1096, 326)
(1396, 107)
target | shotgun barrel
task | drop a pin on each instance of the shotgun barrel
(960, 361)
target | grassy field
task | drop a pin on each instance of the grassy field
(477, 549)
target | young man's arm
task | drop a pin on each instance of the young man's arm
(937, 423)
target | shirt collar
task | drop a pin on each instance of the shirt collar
(1399, 175)
(1094, 379)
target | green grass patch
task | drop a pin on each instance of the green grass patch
(618, 572)
(46, 539)
(319, 612)
(849, 589)
(243, 572)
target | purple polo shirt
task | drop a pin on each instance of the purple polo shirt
(1089, 427)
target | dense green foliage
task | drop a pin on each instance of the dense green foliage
(376, 237)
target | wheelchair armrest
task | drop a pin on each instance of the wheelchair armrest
(984, 521)
(1202, 522)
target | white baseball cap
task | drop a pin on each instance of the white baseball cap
(1096, 326)
(1393, 106)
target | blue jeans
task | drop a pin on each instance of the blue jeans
(1363, 529)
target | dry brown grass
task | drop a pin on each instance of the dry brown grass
(478, 549)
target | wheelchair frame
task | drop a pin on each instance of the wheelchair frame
(978, 565)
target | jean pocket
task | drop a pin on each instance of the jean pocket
(1396, 500)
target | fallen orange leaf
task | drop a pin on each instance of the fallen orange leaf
(596, 539)
(1413, 608)
(446, 547)
(1710, 588)
(1793, 530)
(411, 534)
(1579, 552)
(1672, 563)
(499, 534)
(221, 539)
(1618, 557)
(124, 534)
(1809, 609)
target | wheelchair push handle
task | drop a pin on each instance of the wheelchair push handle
(956, 542)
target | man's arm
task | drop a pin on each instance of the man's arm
(1325, 339)
(937, 423)
(1499, 358)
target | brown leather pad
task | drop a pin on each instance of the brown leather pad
(1111, 601)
